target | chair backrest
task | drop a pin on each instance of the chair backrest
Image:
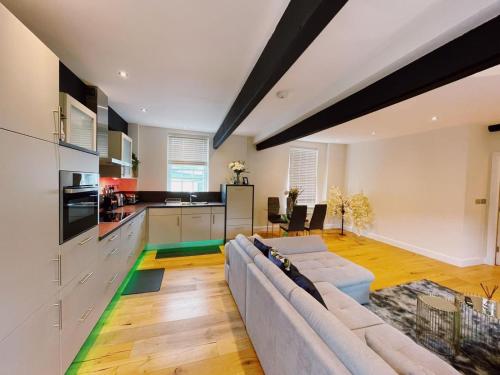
(318, 217)
(273, 207)
(298, 218)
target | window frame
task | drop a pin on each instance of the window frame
(205, 138)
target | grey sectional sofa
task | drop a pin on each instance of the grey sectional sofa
(292, 333)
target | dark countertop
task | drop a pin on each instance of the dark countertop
(106, 229)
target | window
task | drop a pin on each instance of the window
(187, 163)
(302, 173)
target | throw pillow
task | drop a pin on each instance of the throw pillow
(306, 284)
(262, 247)
(294, 274)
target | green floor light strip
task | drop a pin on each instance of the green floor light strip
(84, 350)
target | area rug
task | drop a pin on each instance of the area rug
(397, 306)
(187, 251)
(144, 281)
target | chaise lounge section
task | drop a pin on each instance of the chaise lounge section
(293, 333)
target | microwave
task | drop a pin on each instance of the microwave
(77, 123)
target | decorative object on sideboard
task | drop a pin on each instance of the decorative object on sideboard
(237, 167)
(489, 305)
(245, 180)
(355, 210)
(293, 194)
(135, 165)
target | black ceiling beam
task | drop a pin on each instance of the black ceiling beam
(300, 24)
(470, 53)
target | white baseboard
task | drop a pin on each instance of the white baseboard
(459, 262)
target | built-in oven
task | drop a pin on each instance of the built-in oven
(78, 203)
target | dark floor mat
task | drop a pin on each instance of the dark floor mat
(144, 281)
(187, 251)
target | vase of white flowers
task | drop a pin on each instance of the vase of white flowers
(237, 167)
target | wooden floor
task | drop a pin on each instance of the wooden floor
(192, 326)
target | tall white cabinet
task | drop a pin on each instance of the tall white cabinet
(239, 200)
(29, 81)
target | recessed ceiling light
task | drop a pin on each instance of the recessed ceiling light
(144, 110)
(282, 94)
(122, 73)
(373, 132)
(434, 118)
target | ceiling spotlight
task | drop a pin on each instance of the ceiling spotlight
(282, 94)
(434, 118)
(373, 132)
(144, 110)
(122, 73)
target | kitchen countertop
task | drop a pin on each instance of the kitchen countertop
(106, 228)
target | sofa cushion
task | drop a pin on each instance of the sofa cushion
(400, 352)
(296, 245)
(247, 246)
(275, 275)
(262, 247)
(353, 353)
(329, 267)
(304, 283)
(346, 309)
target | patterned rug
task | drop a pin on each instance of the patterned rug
(397, 306)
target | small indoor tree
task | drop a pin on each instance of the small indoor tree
(355, 210)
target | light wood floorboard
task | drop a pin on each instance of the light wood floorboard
(192, 325)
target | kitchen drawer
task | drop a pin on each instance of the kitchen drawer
(218, 210)
(78, 253)
(110, 245)
(75, 160)
(164, 211)
(195, 210)
(247, 221)
(79, 315)
(233, 230)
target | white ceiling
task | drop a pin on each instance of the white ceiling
(188, 59)
(474, 100)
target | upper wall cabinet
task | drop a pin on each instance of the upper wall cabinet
(29, 81)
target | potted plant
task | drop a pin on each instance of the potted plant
(237, 167)
(135, 165)
(293, 193)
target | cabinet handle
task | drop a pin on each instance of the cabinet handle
(59, 313)
(213, 219)
(114, 251)
(178, 220)
(59, 272)
(113, 238)
(86, 314)
(57, 120)
(130, 234)
(112, 280)
(86, 278)
(86, 240)
(195, 217)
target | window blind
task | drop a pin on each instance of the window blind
(303, 173)
(187, 150)
(187, 163)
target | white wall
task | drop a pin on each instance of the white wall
(423, 187)
(268, 168)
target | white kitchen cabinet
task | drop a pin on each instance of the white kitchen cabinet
(119, 149)
(33, 348)
(164, 225)
(29, 81)
(217, 226)
(195, 226)
(29, 232)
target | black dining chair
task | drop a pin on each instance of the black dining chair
(297, 220)
(317, 219)
(273, 213)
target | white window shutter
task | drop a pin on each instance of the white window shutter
(303, 173)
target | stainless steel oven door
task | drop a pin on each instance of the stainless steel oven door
(78, 203)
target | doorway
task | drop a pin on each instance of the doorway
(493, 235)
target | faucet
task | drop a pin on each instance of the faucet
(191, 196)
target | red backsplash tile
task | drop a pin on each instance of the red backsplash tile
(123, 184)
